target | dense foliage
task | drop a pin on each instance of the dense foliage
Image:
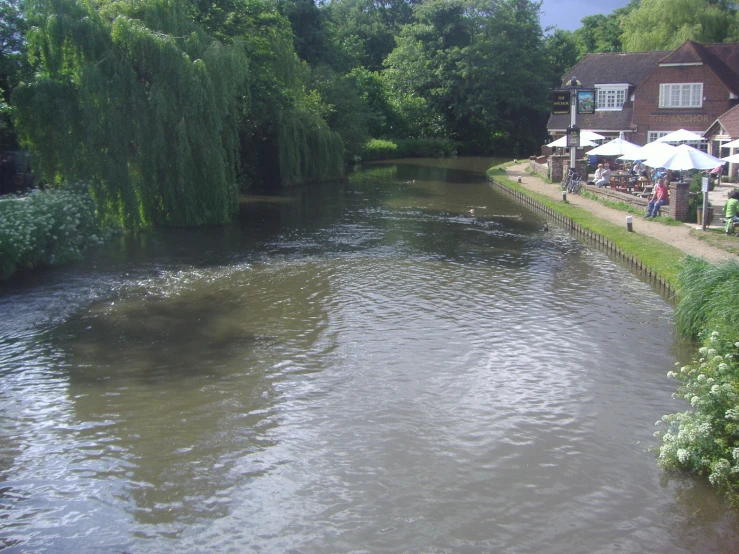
(705, 438)
(171, 107)
(654, 25)
(47, 227)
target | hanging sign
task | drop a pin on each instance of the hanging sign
(573, 137)
(586, 101)
(561, 102)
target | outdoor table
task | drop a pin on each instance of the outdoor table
(622, 182)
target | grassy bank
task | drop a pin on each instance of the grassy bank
(662, 259)
(703, 440)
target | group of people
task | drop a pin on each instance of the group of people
(660, 194)
(603, 175)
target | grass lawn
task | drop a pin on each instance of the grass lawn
(718, 239)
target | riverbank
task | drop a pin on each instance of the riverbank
(659, 246)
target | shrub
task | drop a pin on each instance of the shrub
(705, 440)
(46, 227)
(385, 149)
(709, 298)
(379, 149)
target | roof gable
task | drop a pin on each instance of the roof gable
(714, 56)
(686, 53)
(729, 120)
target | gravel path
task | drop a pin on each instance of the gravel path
(679, 237)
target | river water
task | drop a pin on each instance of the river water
(405, 362)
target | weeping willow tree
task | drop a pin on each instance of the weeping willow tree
(286, 121)
(135, 99)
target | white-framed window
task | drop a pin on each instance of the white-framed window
(654, 135)
(681, 95)
(610, 97)
(699, 144)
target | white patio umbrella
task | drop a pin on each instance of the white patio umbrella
(734, 158)
(617, 147)
(732, 144)
(680, 135)
(561, 142)
(686, 157)
(651, 150)
(590, 135)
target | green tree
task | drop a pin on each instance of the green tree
(665, 24)
(600, 33)
(365, 30)
(285, 140)
(13, 64)
(562, 54)
(305, 20)
(137, 100)
(479, 66)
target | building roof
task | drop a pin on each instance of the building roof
(687, 52)
(719, 57)
(729, 120)
(633, 68)
(614, 67)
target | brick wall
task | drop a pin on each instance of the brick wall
(648, 116)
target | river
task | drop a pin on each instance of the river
(407, 361)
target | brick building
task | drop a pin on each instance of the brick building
(646, 95)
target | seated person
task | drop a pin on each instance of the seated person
(638, 168)
(659, 198)
(731, 210)
(605, 176)
(598, 173)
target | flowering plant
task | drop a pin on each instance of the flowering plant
(705, 439)
(46, 227)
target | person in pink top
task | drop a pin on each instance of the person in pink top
(658, 199)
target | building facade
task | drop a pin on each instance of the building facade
(645, 95)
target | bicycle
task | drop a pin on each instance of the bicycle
(573, 182)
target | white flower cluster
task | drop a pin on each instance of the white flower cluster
(46, 226)
(704, 438)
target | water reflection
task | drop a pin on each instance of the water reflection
(403, 362)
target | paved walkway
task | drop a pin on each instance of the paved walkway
(677, 236)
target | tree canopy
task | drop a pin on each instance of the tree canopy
(169, 108)
(665, 24)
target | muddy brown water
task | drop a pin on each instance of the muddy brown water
(405, 362)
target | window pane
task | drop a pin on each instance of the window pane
(697, 99)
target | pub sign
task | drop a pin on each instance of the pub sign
(560, 102)
(573, 137)
(586, 101)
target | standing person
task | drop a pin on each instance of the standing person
(731, 211)
(605, 176)
(658, 199)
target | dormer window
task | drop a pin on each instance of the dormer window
(681, 95)
(610, 97)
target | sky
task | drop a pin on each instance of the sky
(566, 14)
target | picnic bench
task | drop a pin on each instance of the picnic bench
(628, 183)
